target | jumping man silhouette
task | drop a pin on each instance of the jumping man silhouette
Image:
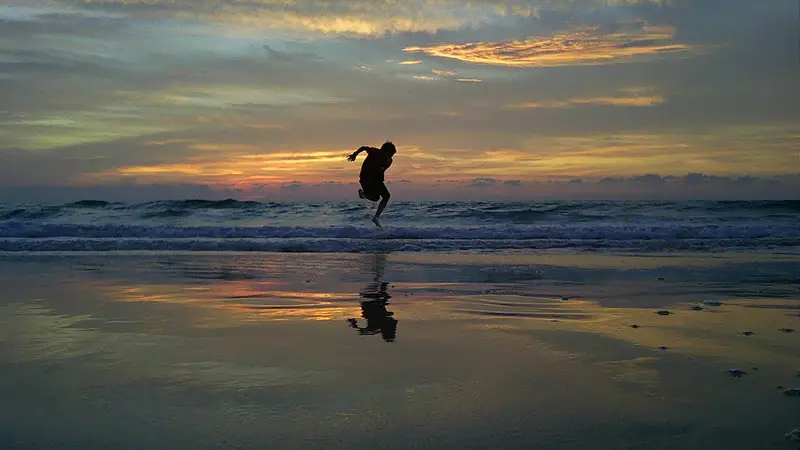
(378, 160)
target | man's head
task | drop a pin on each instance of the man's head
(388, 148)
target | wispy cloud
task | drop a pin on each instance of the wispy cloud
(587, 46)
(355, 17)
(618, 101)
(482, 182)
(453, 76)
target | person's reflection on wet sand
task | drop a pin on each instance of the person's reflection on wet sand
(378, 319)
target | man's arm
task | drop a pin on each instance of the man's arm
(364, 148)
(387, 164)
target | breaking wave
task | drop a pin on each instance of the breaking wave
(247, 225)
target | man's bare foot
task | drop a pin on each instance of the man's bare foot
(360, 193)
(375, 221)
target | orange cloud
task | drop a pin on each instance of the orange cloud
(630, 101)
(588, 46)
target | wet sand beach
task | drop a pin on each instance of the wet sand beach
(205, 350)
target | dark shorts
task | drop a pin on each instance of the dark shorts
(374, 189)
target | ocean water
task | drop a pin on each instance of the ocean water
(231, 225)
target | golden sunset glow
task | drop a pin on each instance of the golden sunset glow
(541, 159)
(239, 168)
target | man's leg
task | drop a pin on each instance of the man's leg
(368, 191)
(385, 195)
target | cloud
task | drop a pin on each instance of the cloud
(727, 151)
(649, 179)
(697, 186)
(124, 192)
(621, 101)
(587, 46)
(483, 182)
(646, 187)
(355, 17)
(610, 180)
(362, 17)
(448, 75)
(293, 185)
(115, 84)
(699, 178)
(286, 56)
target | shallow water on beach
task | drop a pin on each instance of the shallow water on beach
(401, 350)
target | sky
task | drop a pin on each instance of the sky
(484, 99)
